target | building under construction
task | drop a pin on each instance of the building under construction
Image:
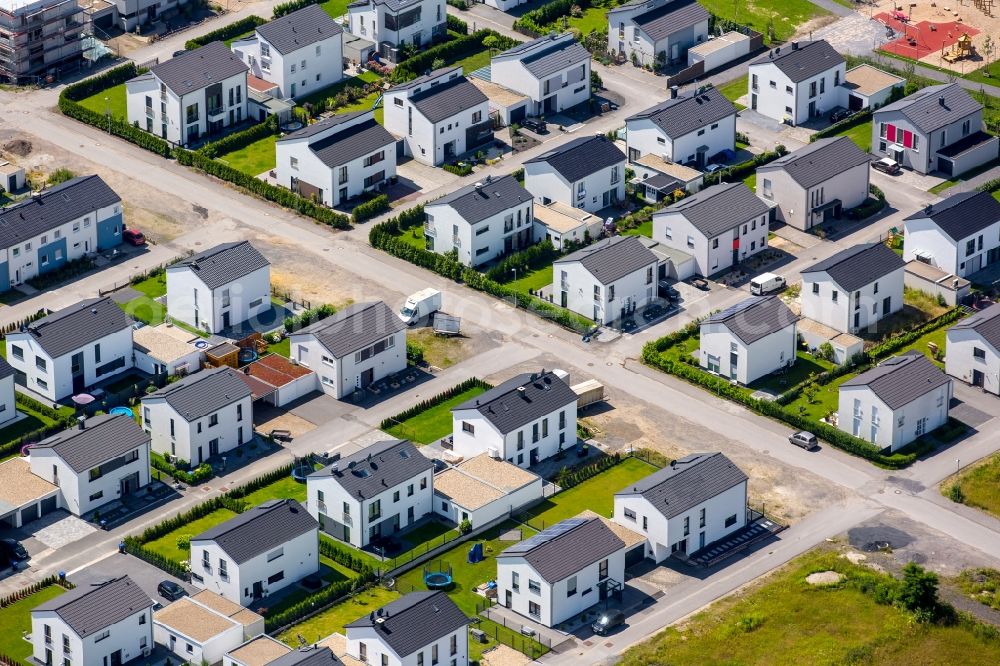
(39, 39)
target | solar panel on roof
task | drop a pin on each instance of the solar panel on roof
(546, 535)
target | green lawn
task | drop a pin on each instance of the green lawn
(644, 229)
(237, 38)
(473, 62)
(330, 91)
(434, 423)
(825, 401)
(861, 135)
(145, 309)
(284, 488)
(283, 348)
(154, 286)
(253, 159)
(365, 104)
(751, 181)
(787, 15)
(534, 280)
(334, 618)
(166, 545)
(594, 18)
(805, 365)
(981, 485)
(335, 8)
(16, 620)
(420, 539)
(735, 89)
(414, 237)
(368, 558)
(115, 102)
(329, 571)
(33, 421)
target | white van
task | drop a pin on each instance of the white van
(420, 305)
(765, 283)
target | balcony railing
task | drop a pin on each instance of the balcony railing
(430, 230)
(217, 112)
(347, 520)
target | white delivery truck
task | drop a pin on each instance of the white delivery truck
(420, 305)
(765, 283)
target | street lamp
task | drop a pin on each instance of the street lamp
(107, 111)
(514, 271)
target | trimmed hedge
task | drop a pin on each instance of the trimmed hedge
(201, 473)
(567, 477)
(292, 6)
(456, 24)
(369, 209)
(35, 587)
(449, 51)
(134, 547)
(227, 32)
(536, 256)
(872, 205)
(95, 84)
(890, 346)
(62, 422)
(311, 316)
(537, 21)
(744, 169)
(324, 598)
(241, 139)
(424, 405)
(343, 557)
(858, 118)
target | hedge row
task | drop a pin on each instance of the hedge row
(369, 209)
(858, 118)
(292, 6)
(261, 481)
(424, 405)
(62, 422)
(456, 24)
(241, 139)
(115, 126)
(134, 547)
(177, 521)
(894, 343)
(871, 205)
(21, 323)
(538, 20)
(227, 32)
(35, 587)
(95, 84)
(744, 169)
(344, 557)
(528, 259)
(311, 316)
(449, 51)
(324, 598)
(199, 474)
(567, 477)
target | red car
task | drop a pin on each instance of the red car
(134, 237)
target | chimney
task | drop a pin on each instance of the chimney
(941, 100)
(673, 92)
(520, 390)
(479, 186)
(82, 422)
(795, 46)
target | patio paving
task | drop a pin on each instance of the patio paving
(61, 528)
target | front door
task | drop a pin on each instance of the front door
(886, 305)
(508, 599)
(753, 101)
(116, 658)
(978, 378)
(129, 484)
(226, 319)
(213, 447)
(201, 458)
(533, 457)
(812, 108)
(367, 377)
(258, 590)
(76, 369)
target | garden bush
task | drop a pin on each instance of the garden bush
(456, 24)
(199, 474)
(414, 353)
(537, 256)
(424, 405)
(449, 51)
(538, 21)
(311, 316)
(743, 169)
(241, 139)
(227, 32)
(369, 209)
(858, 118)
(463, 169)
(293, 6)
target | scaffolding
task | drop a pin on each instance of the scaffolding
(39, 39)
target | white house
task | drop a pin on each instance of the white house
(300, 53)
(418, 629)
(565, 226)
(561, 571)
(221, 287)
(104, 623)
(362, 344)
(720, 226)
(869, 87)
(395, 24)
(960, 234)
(69, 350)
(587, 173)
(202, 415)
(656, 32)
(482, 221)
(440, 116)
(794, 83)
(686, 506)
(165, 350)
(688, 129)
(524, 420)
(256, 553)
(202, 628)
(483, 489)
(373, 493)
(895, 402)
(749, 340)
(853, 289)
(183, 99)
(337, 159)
(552, 71)
(8, 401)
(817, 183)
(973, 352)
(607, 280)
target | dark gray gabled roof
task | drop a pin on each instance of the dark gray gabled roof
(582, 157)
(414, 621)
(475, 204)
(508, 408)
(78, 325)
(448, 99)
(672, 17)
(808, 60)
(687, 482)
(985, 322)
(89, 609)
(719, 208)
(547, 55)
(376, 468)
(611, 259)
(899, 380)
(755, 318)
(54, 207)
(102, 439)
(566, 548)
(6, 369)
(355, 327)
(260, 529)
(934, 107)
(299, 29)
(194, 70)
(857, 266)
(688, 113)
(204, 392)
(350, 143)
(223, 264)
(962, 215)
(394, 6)
(321, 126)
(819, 161)
(311, 655)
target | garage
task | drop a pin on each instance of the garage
(49, 504)
(518, 115)
(278, 381)
(855, 103)
(635, 555)
(946, 166)
(29, 513)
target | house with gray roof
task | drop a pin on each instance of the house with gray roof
(897, 401)
(438, 116)
(586, 173)
(689, 504)
(720, 226)
(256, 553)
(398, 25)
(72, 349)
(817, 183)
(108, 621)
(749, 340)
(352, 350)
(373, 493)
(482, 221)
(553, 72)
(8, 403)
(973, 351)
(307, 655)
(796, 82)
(959, 234)
(937, 128)
(199, 93)
(420, 627)
(219, 288)
(562, 571)
(526, 419)
(656, 32)
(337, 159)
(686, 129)
(200, 416)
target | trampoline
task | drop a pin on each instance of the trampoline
(301, 469)
(437, 580)
(121, 411)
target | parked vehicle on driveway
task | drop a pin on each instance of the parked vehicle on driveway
(840, 114)
(886, 165)
(765, 283)
(420, 305)
(14, 551)
(134, 237)
(170, 590)
(806, 440)
(608, 621)
(535, 125)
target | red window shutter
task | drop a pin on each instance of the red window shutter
(907, 139)
(890, 132)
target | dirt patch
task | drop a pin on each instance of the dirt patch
(444, 351)
(821, 578)
(503, 655)
(296, 425)
(18, 147)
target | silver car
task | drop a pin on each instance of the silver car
(806, 440)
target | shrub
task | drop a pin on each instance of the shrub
(465, 526)
(114, 126)
(184, 542)
(60, 176)
(424, 405)
(744, 169)
(918, 591)
(858, 118)
(536, 256)
(538, 20)
(449, 51)
(463, 169)
(955, 494)
(894, 343)
(369, 209)
(241, 139)
(456, 24)
(227, 32)
(414, 353)
(303, 319)
(826, 352)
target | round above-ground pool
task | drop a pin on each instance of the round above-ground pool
(247, 356)
(437, 580)
(301, 471)
(121, 411)
(200, 344)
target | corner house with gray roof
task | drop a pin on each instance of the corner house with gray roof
(691, 503)
(686, 129)
(373, 493)
(959, 234)
(749, 340)
(186, 98)
(937, 128)
(353, 349)
(656, 32)
(107, 622)
(974, 350)
(607, 280)
(256, 553)
(439, 116)
(337, 159)
(482, 221)
(418, 628)
(395, 24)
(524, 420)
(199, 416)
(587, 173)
(561, 571)
(897, 401)
(719, 227)
(218, 288)
(797, 82)
(553, 72)
(817, 183)
(72, 349)
(854, 288)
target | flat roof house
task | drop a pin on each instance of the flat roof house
(869, 87)
(260, 651)
(897, 401)
(797, 82)
(564, 226)
(959, 234)
(688, 129)
(204, 627)
(656, 32)
(656, 178)
(817, 183)
(396, 24)
(974, 350)
(587, 173)
(483, 489)
(749, 340)
(682, 508)
(552, 71)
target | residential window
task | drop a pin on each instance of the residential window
(545, 427)
(453, 645)
(645, 523)
(834, 295)
(375, 158)
(342, 175)
(223, 570)
(274, 554)
(477, 117)
(602, 569)
(423, 483)
(434, 654)
(815, 287)
(534, 433)
(731, 520)
(715, 243)
(701, 517)
(40, 363)
(970, 247)
(571, 586)
(276, 578)
(515, 581)
(468, 427)
(206, 560)
(96, 496)
(362, 652)
(978, 353)
(690, 241)
(293, 162)
(239, 412)
(965, 128)
(375, 510)
(534, 610)
(101, 636)
(395, 496)
(630, 514)
(534, 586)
(687, 525)
(17, 352)
(385, 659)
(520, 440)
(562, 420)
(42, 383)
(213, 420)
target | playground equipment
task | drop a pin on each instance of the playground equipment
(962, 49)
(438, 580)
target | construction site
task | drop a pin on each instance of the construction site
(40, 39)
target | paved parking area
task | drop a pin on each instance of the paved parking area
(144, 574)
(63, 528)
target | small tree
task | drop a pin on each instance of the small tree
(438, 63)
(810, 391)
(826, 352)
(465, 526)
(60, 176)
(918, 591)
(988, 48)
(491, 42)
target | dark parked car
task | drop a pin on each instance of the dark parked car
(170, 590)
(840, 114)
(535, 125)
(13, 550)
(134, 237)
(608, 621)
(886, 165)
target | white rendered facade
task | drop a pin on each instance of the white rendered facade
(581, 292)
(775, 95)
(191, 301)
(646, 137)
(196, 440)
(479, 243)
(925, 241)
(825, 301)
(863, 414)
(296, 73)
(55, 642)
(553, 92)
(340, 377)
(795, 204)
(715, 254)
(725, 353)
(392, 24)
(538, 440)
(972, 359)
(598, 190)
